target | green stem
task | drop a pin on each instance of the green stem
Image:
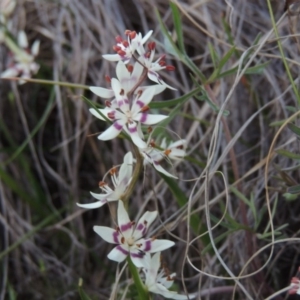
(51, 82)
(141, 288)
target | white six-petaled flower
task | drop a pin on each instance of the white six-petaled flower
(126, 48)
(154, 155)
(128, 116)
(23, 64)
(129, 238)
(120, 183)
(159, 281)
(128, 78)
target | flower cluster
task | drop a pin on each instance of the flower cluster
(21, 62)
(127, 110)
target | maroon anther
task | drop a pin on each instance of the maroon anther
(122, 92)
(170, 68)
(129, 68)
(125, 44)
(132, 35)
(111, 115)
(107, 103)
(107, 78)
(119, 39)
(127, 32)
(162, 63)
(145, 108)
(122, 53)
(151, 46)
(116, 48)
(147, 55)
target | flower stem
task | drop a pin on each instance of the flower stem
(141, 289)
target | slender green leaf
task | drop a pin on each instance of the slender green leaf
(178, 26)
(294, 128)
(288, 154)
(214, 56)
(225, 58)
(82, 294)
(168, 103)
(294, 189)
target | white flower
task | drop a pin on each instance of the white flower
(120, 183)
(128, 79)
(159, 282)
(128, 237)
(23, 64)
(128, 116)
(154, 155)
(126, 48)
(153, 67)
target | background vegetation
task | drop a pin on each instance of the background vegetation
(236, 202)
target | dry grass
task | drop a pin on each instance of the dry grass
(63, 160)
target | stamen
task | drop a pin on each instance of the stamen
(113, 171)
(119, 39)
(129, 68)
(125, 44)
(168, 151)
(102, 183)
(111, 115)
(132, 35)
(170, 68)
(151, 46)
(107, 103)
(152, 143)
(149, 129)
(122, 92)
(122, 53)
(116, 48)
(107, 78)
(145, 108)
(122, 240)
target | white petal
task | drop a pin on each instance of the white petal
(161, 290)
(119, 253)
(100, 196)
(144, 223)
(146, 37)
(108, 234)
(35, 48)
(103, 111)
(160, 245)
(124, 222)
(11, 72)
(138, 258)
(112, 57)
(125, 172)
(160, 169)
(111, 132)
(137, 140)
(22, 39)
(156, 78)
(92, 205)
(149, 119)
(102, 92)
(147, 95)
